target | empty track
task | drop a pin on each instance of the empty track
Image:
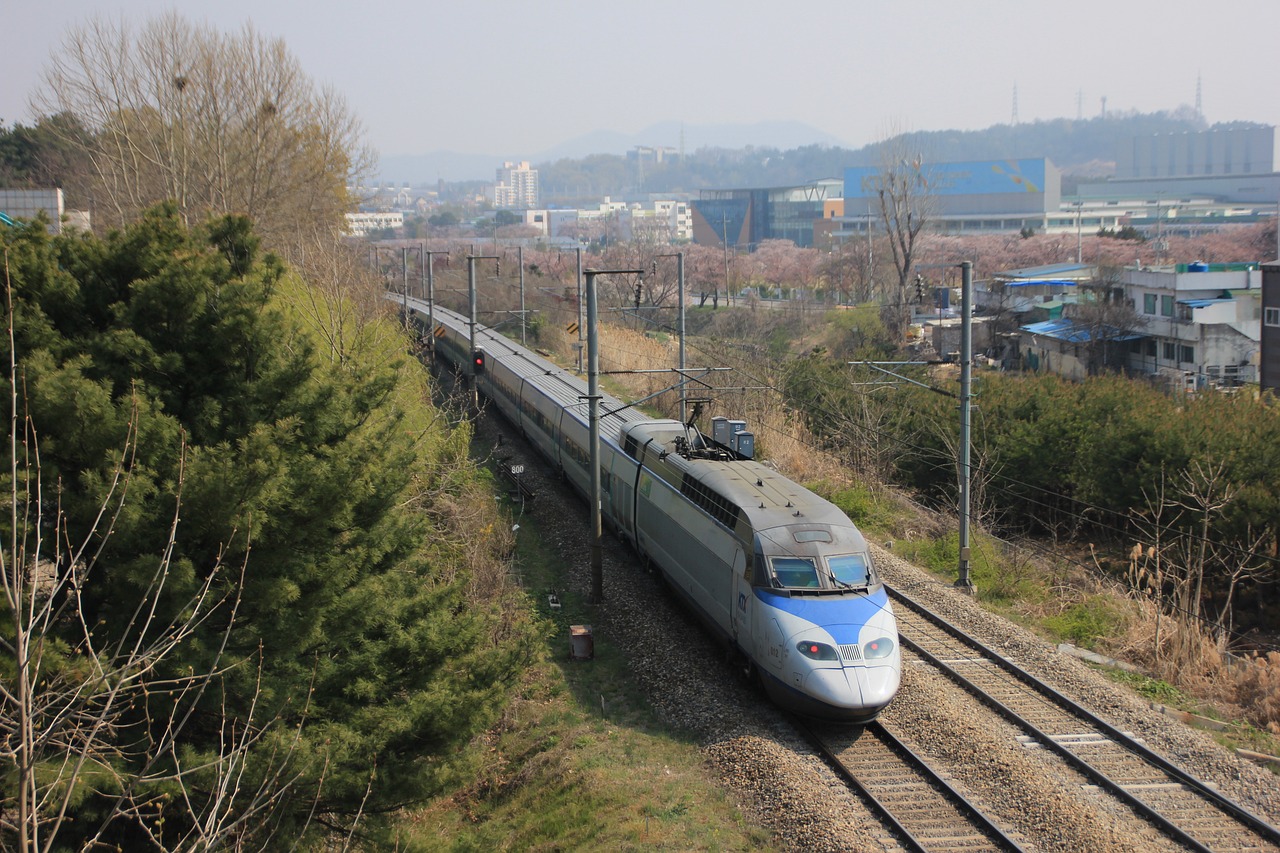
(1183, 807)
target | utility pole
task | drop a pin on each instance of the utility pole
(1079, 244)
(963, 467)
(404, 283)
(966, 377)
(724, 226)
(520, 261)
(428, 260)
(593, 408)
(679, 256)
(577, 310)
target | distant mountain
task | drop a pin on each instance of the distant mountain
(421, 169)
(776, 154)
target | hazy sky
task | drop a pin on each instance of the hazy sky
(513, 79)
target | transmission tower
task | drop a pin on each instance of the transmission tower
(1199, 111)
(1015, 105)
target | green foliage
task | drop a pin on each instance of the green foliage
(858, 333)
(940, 556)
(872, 515)
(1155, 689)
(355, 621)
(534, 324)
(44, 155)
(1057, 449)
(1127, 232)
(1087, 621)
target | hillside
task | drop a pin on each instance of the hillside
(1085, 148)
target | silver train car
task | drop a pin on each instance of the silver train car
(780, 575)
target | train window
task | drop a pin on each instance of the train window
(796, 572)
(850, 569)
(812, 536)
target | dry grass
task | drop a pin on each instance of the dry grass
(1258, 690)
(1182, 653)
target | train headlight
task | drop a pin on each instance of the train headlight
(817, 651)
(880, 648)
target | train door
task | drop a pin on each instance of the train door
(743, 601)
(624, 497)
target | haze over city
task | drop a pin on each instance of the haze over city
(517, 80)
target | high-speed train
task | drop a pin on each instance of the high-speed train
(779, 574)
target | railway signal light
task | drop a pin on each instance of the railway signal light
(478, 361)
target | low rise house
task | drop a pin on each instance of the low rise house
(1072, 348)
(1202, 323)
(1017, 292)
(1193, 326)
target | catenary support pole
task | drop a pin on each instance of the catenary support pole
(404, 283)
(680, 330)
(593, 424)
(593, 403)
(966, 378)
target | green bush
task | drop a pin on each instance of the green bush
(1083, 623)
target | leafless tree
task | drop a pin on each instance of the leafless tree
(848, 272)
(1183, 561)
(219, 123)
(1110, 318)
(904, 201)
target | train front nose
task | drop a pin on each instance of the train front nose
(859, 689)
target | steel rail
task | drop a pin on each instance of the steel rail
(910, 839)
(1199, 786)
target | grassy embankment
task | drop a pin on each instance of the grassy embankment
(579, 761)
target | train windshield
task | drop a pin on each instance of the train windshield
(851, 569)
(796, 572)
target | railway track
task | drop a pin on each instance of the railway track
(921, 808)
(1185, 808)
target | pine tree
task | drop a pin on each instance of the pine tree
(342, 645)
